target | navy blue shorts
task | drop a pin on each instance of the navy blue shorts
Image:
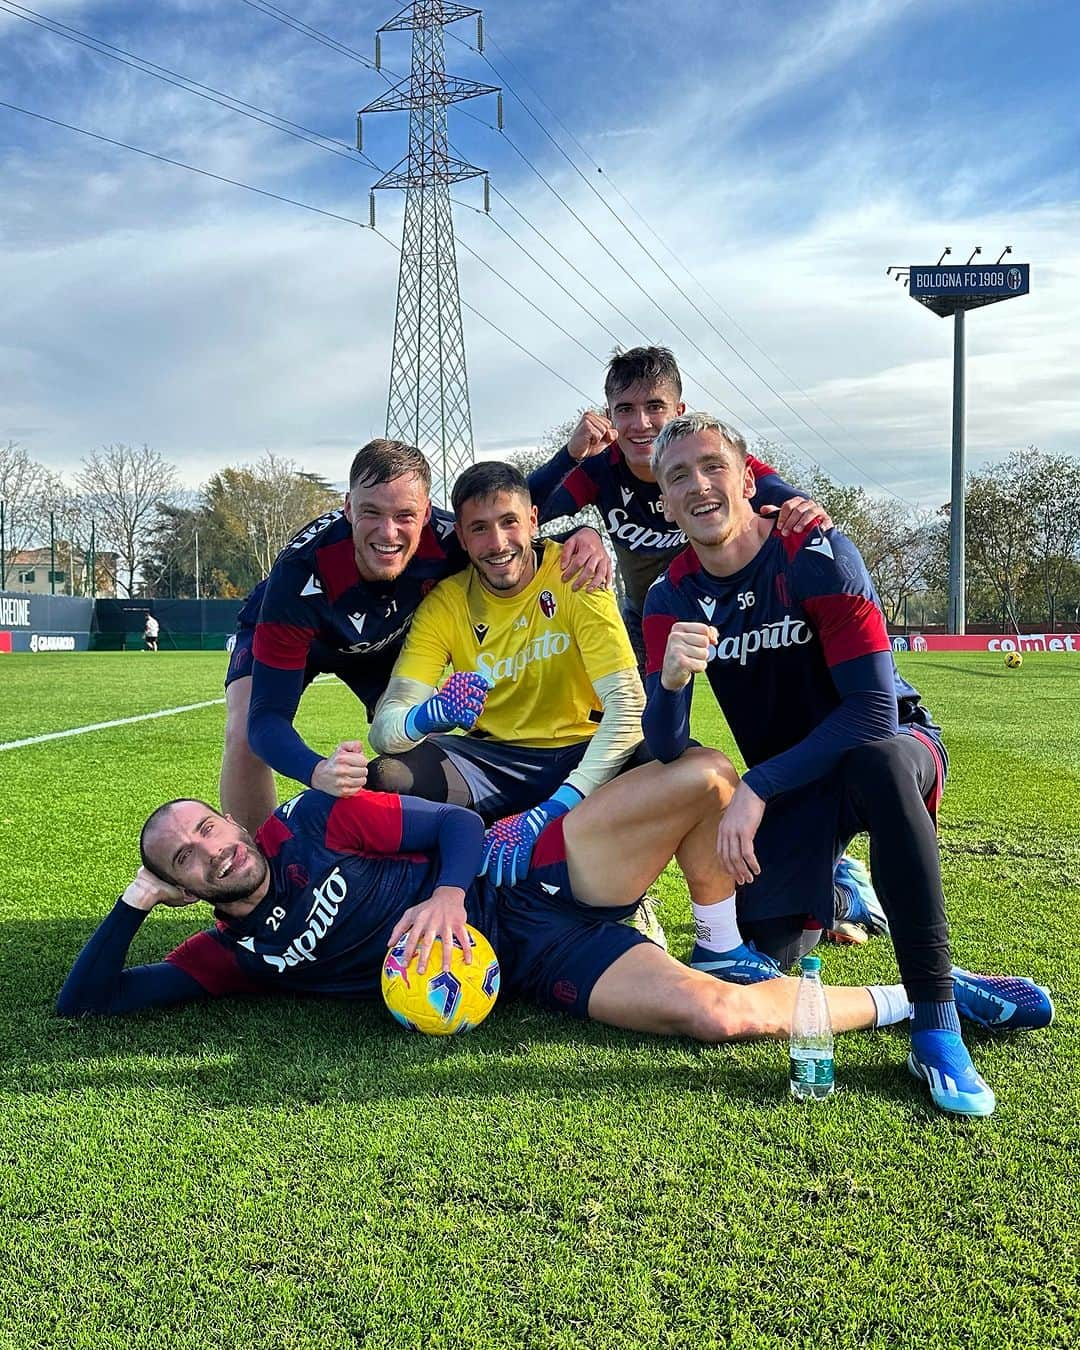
(804, 832)
(367, 675)
(553, 949)
(504, 778)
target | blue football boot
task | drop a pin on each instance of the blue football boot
(743, 964)
(1002, 1002)
(940, 1059)
(858, 912)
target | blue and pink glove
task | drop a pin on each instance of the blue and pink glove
(509, 844)
(457, 704)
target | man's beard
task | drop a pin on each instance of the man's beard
(233, 888)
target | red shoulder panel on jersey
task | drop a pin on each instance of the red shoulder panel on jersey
(271, 834)
(580, 486)
(284, 646)
(655, 629)
(336, 564)
(685, 565)
(848, 626)
(213, 965)
(370, 822)
(759, 468)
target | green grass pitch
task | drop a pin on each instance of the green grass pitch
(305, 1174)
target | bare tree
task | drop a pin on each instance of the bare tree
(999, 536)
(23, 487)
(124, 487)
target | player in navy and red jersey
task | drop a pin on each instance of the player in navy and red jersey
(606, 463)
(793, 640)
(312, 904)
(339, 600)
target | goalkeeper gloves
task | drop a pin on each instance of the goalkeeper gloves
(457, 704)
(509, 844)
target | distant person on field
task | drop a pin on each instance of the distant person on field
(545, 685)
(339, 600)
(791, 636)
(151, 629)
(313, 903)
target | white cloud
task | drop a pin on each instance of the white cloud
(143, 303)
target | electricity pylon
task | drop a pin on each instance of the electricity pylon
(429, 389)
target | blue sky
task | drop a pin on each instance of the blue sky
(786, 152)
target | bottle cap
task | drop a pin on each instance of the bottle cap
(810, 963)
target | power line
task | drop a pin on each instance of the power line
(219, 97)
(465, 206)
(291, 201)
(167, 76)
(336, 147)
(576, 270)
(660, 239)
(283, 16)
(180, 164)
(143, 66)
(671, 280)
(274, 11)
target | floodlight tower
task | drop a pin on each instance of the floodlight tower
(429, 390)
(946, 290)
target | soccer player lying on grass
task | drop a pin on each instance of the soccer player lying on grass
(338, 600)
(314, 901)
(792, 638)
(545, 685)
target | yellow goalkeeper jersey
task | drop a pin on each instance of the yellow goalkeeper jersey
(540, 651)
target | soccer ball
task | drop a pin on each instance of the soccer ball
(1014, 660)
(442, 1003)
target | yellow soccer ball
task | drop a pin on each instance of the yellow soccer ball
(442, 1003)
(1014, 660)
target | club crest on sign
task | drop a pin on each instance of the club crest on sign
(547, 604)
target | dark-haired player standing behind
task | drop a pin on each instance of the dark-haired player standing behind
(607, 463)
(792, 638)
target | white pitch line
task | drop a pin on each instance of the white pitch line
(104, 726)
(125, 721)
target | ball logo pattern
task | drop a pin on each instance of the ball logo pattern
(1013, 660)
(442, 1003)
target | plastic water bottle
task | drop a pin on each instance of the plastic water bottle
(811, 1037)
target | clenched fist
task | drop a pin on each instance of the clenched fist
(344, 773)
(686, 654)
(591, 435)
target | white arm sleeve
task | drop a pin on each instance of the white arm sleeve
(617, 736)
(387, 731)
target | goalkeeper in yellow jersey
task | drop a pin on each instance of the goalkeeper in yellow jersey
(545, 685)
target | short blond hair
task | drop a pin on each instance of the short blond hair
(689, 424)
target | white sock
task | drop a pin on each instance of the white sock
(891, 1004)
(715, 926)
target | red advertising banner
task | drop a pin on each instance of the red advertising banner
(988, 642)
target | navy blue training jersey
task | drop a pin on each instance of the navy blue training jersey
(315, 609)
(340, 879)
(803, 667)
(644, 542)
